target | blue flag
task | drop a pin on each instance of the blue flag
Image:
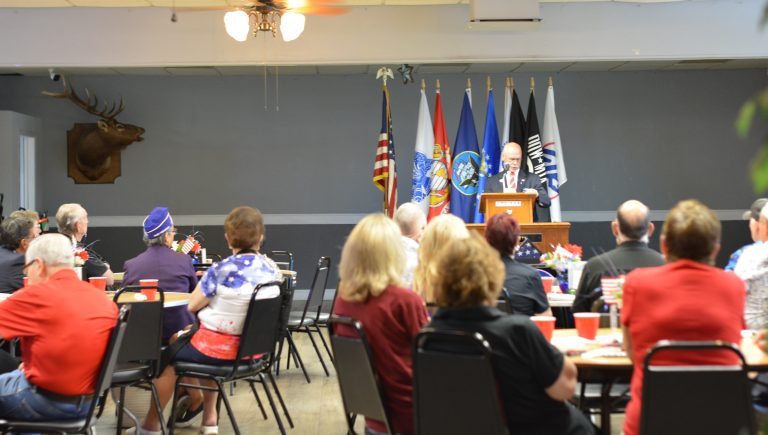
(466, 165)
(491, 154)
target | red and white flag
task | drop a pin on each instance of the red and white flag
(384, 170)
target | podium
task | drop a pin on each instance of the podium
(543, 235)
(519, 205)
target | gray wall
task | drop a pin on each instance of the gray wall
(210, 145)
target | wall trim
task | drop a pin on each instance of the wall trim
(354, 218)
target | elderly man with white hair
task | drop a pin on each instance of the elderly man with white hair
(64, 325)
(72, 220)
(412, 221)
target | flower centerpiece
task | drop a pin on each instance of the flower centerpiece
(559, 259)
(81, 256)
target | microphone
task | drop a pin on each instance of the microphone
(506, 167)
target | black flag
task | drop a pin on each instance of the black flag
(517, 124)
(534, 153)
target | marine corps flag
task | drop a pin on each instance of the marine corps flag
(384, 171)
(440, 173)
(466, 164)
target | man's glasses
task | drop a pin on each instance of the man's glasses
(29, 264)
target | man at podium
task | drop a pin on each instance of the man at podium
(516, 178)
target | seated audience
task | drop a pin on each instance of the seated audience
(534, 379)
(685, 299)
(632, 229)
(64, 326)
(411, 221)
(757, 230)
(370, 291)
(72, 221)
(221, 302)
(16, 233)
(752, 268)
(174, 270)
(523, 282)
(438, 232)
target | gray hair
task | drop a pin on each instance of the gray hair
(15, 229)
(407, 218)
(52, 249)
(68, 216)
(157, 241)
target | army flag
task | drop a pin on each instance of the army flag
(422, 156)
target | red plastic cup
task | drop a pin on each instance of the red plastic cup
(546, 324)
(587, 324)
(26, 281)
(100, 282)
(150, 293)
(548, 281)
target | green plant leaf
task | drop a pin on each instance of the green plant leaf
(759, 170)
(744, 120)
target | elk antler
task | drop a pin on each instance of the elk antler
(87, 105)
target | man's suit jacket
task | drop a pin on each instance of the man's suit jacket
(526, 180)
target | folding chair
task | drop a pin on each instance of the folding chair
(454, 387)
(259, 337)
(359, 384)
(305, 321)
(138, 363)
(104, 380)
(695, 399)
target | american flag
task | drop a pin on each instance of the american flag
(384, 171)
(188, 245)
(612, 287)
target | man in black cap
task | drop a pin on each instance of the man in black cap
(758, 232)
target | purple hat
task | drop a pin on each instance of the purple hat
(158, 222)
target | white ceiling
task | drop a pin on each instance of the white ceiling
(224, 3)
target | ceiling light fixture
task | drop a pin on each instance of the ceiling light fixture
(266, 19)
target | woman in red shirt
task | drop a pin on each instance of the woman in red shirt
(686, 299)
(371, 292)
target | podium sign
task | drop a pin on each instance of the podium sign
(520, 205)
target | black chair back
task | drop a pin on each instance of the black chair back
(283, 259)
(314, 303)
(144, 333)
(104, 380)
(454, 388)
(695, 399)
(504, 302)
(359, 384)
(256, 338)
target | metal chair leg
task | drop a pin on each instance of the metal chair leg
(271, 403)
(258, 400)
(325, 344)
(291, 344)
(120, 404)
(317, 351)
(280, 398)
(230, 412)
(158, 408)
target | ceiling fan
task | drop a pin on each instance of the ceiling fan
(271, 15)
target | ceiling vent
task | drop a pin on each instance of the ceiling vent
(503, 15)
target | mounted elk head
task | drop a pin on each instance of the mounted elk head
(94, 149)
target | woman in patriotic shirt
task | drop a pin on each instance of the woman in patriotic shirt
(221, 301)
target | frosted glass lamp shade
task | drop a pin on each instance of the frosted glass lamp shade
(291, 25)
(237, 24)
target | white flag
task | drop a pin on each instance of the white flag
(553, 155)
(422, 156)
(506, 116)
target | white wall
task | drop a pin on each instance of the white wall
(390, 34)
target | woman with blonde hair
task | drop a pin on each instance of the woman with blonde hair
(370, 291)
(438, 233)
(534, 379)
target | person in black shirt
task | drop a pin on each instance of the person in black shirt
(535, 380)
(632, 229)
(523, 283)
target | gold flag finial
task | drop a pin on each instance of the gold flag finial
(438, 85)
(533, 84)
(549, 81)
(423, 84)
(488, 83)
(469, 83)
